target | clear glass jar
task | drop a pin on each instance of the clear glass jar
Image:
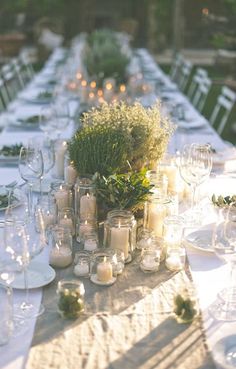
(159, 181)
(173, 231)
(175, 258)
(48, 207)
(70, 298)
(85, 199)
(84, 228)
(150, 259)
(60, 242)
(102, 268)
(118, 261)
(70, 173)
(120, 230)
(66, 218)
(156, 209)
(63, 195)
(144, 238)
(90, 241)
(82, 264)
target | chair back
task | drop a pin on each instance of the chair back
(184, 74)
(223, 108)
(200, 73)
(175, 67)
(201, 93)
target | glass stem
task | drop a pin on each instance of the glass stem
(30, 200)
(25, 305)
(193, 199)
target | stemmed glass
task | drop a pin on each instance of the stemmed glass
(22, 245)
(224, 243)
(31, 169)
(195, 164)
(46, 120)
(62, 115)
(48, 153)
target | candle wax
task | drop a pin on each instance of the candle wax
(81, 269)
(87, 206)
(120, 240)
(70, 175)
(60, 257)
(104, 271)
(90, 245)
(173, 262)
(68, 223)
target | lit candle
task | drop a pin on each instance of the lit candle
(120, 239)
(60, 257)
(93, 84)
(92, 100)
(48, 219)
(62, 198)
(83, 91)
(150, 262)
(172, 173)
(68, 223)
(81, 269)
(156, 217)
(100, 93)
(104, 271)
(90, 245)
(173, 261)
(70, 175)
(87, 206)
(84, 229)
(60, 151)
(122, 94)
(79, 76)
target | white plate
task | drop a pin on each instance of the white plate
(39, 275)
(95, 280)
(225, 352)
(201, 240)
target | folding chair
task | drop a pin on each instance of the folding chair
(201, 93)
(184, 74)
(175, 68)
(196, 80)
(4, 98)
(223, 108)
(10, 80)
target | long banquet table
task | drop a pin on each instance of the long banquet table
(130, 324)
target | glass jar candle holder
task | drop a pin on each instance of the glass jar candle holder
(175, 258)
(90, 241)
(144, 238)
(150, 259)
(118, 261)
(169, 167)
(70, 173)
(84, 228)
(63, 195)
(48, 207)
(60, 242)
(85, 200)
(60, 148)
(173, 231)
(66, 218)
(159, 181)
(82, 264)
(155, 211)
(120, 232)
(70, 298)
(102, 269)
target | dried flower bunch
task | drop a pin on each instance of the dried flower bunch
(148, 131)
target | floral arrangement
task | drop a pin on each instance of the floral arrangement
(104, 56)
(116, 142)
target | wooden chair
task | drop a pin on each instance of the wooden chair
(223, 108)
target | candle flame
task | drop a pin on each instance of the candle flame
(122, 88)
(79, 75)
(84, 83)
(91, 95)
(108, 86)
(100, 93)
(93, 84)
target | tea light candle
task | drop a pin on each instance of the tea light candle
(81, 269)
(173, 261)
(59, 159)
(155, 220)
(60, 257)
(68, 223)
(120, 239)
(87, 206)
(62, 198)
(70, 175)
(149, 262)
(104, 271)
(90, 245)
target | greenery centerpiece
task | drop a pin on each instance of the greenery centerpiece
(104, 56)
(116, 144)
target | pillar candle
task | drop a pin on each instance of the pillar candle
(156, 216)
(60, 151)
(68, 223)
(87, 206)
(120, 239)
(62, 199)
(70, 175)
(104, 271)
(60, 257)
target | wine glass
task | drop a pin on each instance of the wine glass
(61, 114)
(195, 164)
(48, 153)
(22, 244)
(46, 120)
(224, 243)
(31, 169)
